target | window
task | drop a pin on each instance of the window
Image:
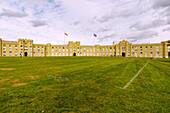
(4, 47)
(136, 48)
(4, 53)
(151, 54)
(140, 48)
(146, 48)
(10, 53)
(157, 48)
(140, 54)
(30, 48)
(123, 48)
(135, 54)
(146, 54)
(10, 47)
(56, 49)
(132, 48)
(151, 48)
(30, 53)
(157, 54)
(25, 43)
(128, 48)
(15, 53)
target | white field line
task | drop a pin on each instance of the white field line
(134, 77)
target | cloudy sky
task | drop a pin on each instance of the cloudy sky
(45, 21)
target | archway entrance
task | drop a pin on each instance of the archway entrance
(25, 54)
(123, 54)
(74, 54)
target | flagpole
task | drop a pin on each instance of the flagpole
(93, 40)
(64, 38)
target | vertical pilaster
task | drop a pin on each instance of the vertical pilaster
(165, 49)
(131, 49)
(49, 50)
(126, 49)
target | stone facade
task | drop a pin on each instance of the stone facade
(26, 47)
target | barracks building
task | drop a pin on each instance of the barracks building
(24, 47)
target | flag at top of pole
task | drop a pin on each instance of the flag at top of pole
(65, 34)
(94, 35)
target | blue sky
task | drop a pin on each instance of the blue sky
(45, 21)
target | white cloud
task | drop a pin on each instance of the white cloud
(45, 21)
(10, 13)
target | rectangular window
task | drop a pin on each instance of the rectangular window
(151, 48)
(136, 48)
(146, 54)
(123, 48)
(146, 48)
(132, 48)
(140, 54)
(30, 53)
(157, 54)
(128, 48)
(151, 54)
(4, 47)
(140, 48)
(10, 53)
(4, 53)
(157, 48)
(15, 53)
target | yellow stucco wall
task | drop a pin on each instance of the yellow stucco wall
(24, 46)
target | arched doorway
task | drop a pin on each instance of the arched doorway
(74, 54)
(123, 54)
(25, 54)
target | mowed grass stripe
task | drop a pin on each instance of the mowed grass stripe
(90, 86)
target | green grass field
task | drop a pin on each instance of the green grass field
(84, 84)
